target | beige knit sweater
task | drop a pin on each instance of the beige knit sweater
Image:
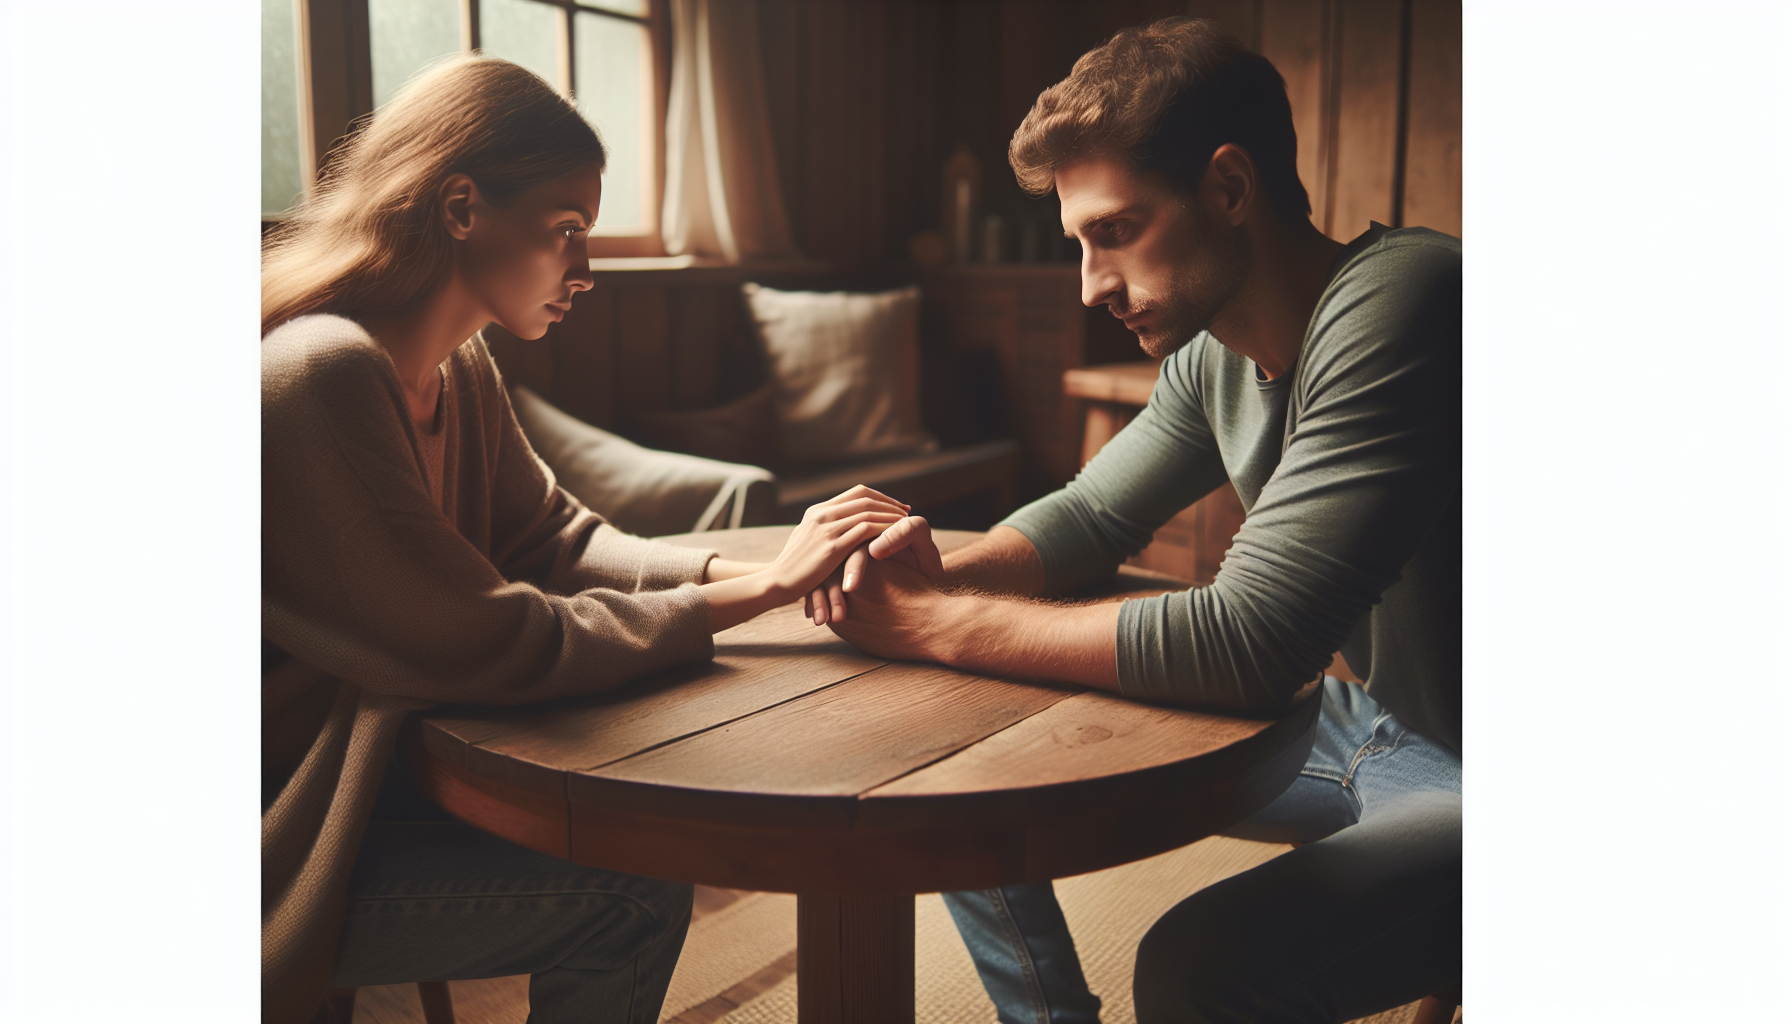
(401, 568)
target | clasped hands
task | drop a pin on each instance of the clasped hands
(897, 608)
(873, 574)
(894, 579)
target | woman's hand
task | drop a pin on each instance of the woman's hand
(829, 532)
(737, 591)
(908, 542)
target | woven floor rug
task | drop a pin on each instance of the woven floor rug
(739, 963)
(1108, 912)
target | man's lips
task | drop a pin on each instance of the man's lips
(1130, 315)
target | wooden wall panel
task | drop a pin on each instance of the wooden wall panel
(702, 323)
(1361, 180)
(1342, 63)
(584, 359)
(643, 354)
(1241, 18)
(1295, 38)
(1433, 193)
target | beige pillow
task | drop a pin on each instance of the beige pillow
(847, 371)
(642, 490)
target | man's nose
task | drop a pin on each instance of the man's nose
(1100, 281)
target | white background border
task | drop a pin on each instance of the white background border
(1626, 566)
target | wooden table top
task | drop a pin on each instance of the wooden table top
(793, 763)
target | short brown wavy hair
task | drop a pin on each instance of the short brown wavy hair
(1163, 97)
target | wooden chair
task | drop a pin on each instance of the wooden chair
(339, 1005)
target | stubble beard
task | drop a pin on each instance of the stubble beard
(1198, 291)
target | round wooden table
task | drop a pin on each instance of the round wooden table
(793, 763)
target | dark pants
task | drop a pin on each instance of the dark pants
(1366, 917)
(440, 900)
(1363, 920)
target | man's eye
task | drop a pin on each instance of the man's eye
(1116, 230)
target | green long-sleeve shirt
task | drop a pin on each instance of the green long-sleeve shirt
(1349, 466)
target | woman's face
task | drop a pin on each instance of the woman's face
(523, 262)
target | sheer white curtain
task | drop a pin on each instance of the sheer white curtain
(722, 197)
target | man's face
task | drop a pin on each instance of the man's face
(1163, 262)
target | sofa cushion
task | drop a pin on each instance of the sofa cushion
(846, 370)
(744, 430)
(641, 490)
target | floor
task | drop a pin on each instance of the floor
(506, 1000)
(766, 993)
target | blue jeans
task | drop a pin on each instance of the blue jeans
(440, 901)
(1365, 917)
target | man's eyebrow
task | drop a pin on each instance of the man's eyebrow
(1089, 222)
(575, 208)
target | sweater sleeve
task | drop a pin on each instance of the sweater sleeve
(544, 534)
(1158, 465)
(1371, 463)
(363, 577)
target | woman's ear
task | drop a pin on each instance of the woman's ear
(1234, 175)
(459, 198)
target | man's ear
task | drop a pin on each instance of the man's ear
(1232, 175)
(459, 199)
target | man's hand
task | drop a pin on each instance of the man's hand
(897, 613)
(907, 542)
(829, 532)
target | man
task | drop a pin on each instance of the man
(1324, 381)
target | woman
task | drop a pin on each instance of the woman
(415, 551)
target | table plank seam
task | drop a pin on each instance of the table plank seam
(567, 773)
(948, 755)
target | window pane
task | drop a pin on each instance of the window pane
(404, 35)
(611, 63)
(524, 32)
(638, 8)
(280, 178)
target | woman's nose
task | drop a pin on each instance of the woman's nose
(578, 275)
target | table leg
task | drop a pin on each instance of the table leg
(855, 959)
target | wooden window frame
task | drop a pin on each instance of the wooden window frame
(335, 68)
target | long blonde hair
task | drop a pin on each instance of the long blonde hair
(370, 238)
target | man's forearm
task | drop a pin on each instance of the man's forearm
(1066, 643)
(1004, 562)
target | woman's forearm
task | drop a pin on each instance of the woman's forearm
(720, 569)
(735, 599)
